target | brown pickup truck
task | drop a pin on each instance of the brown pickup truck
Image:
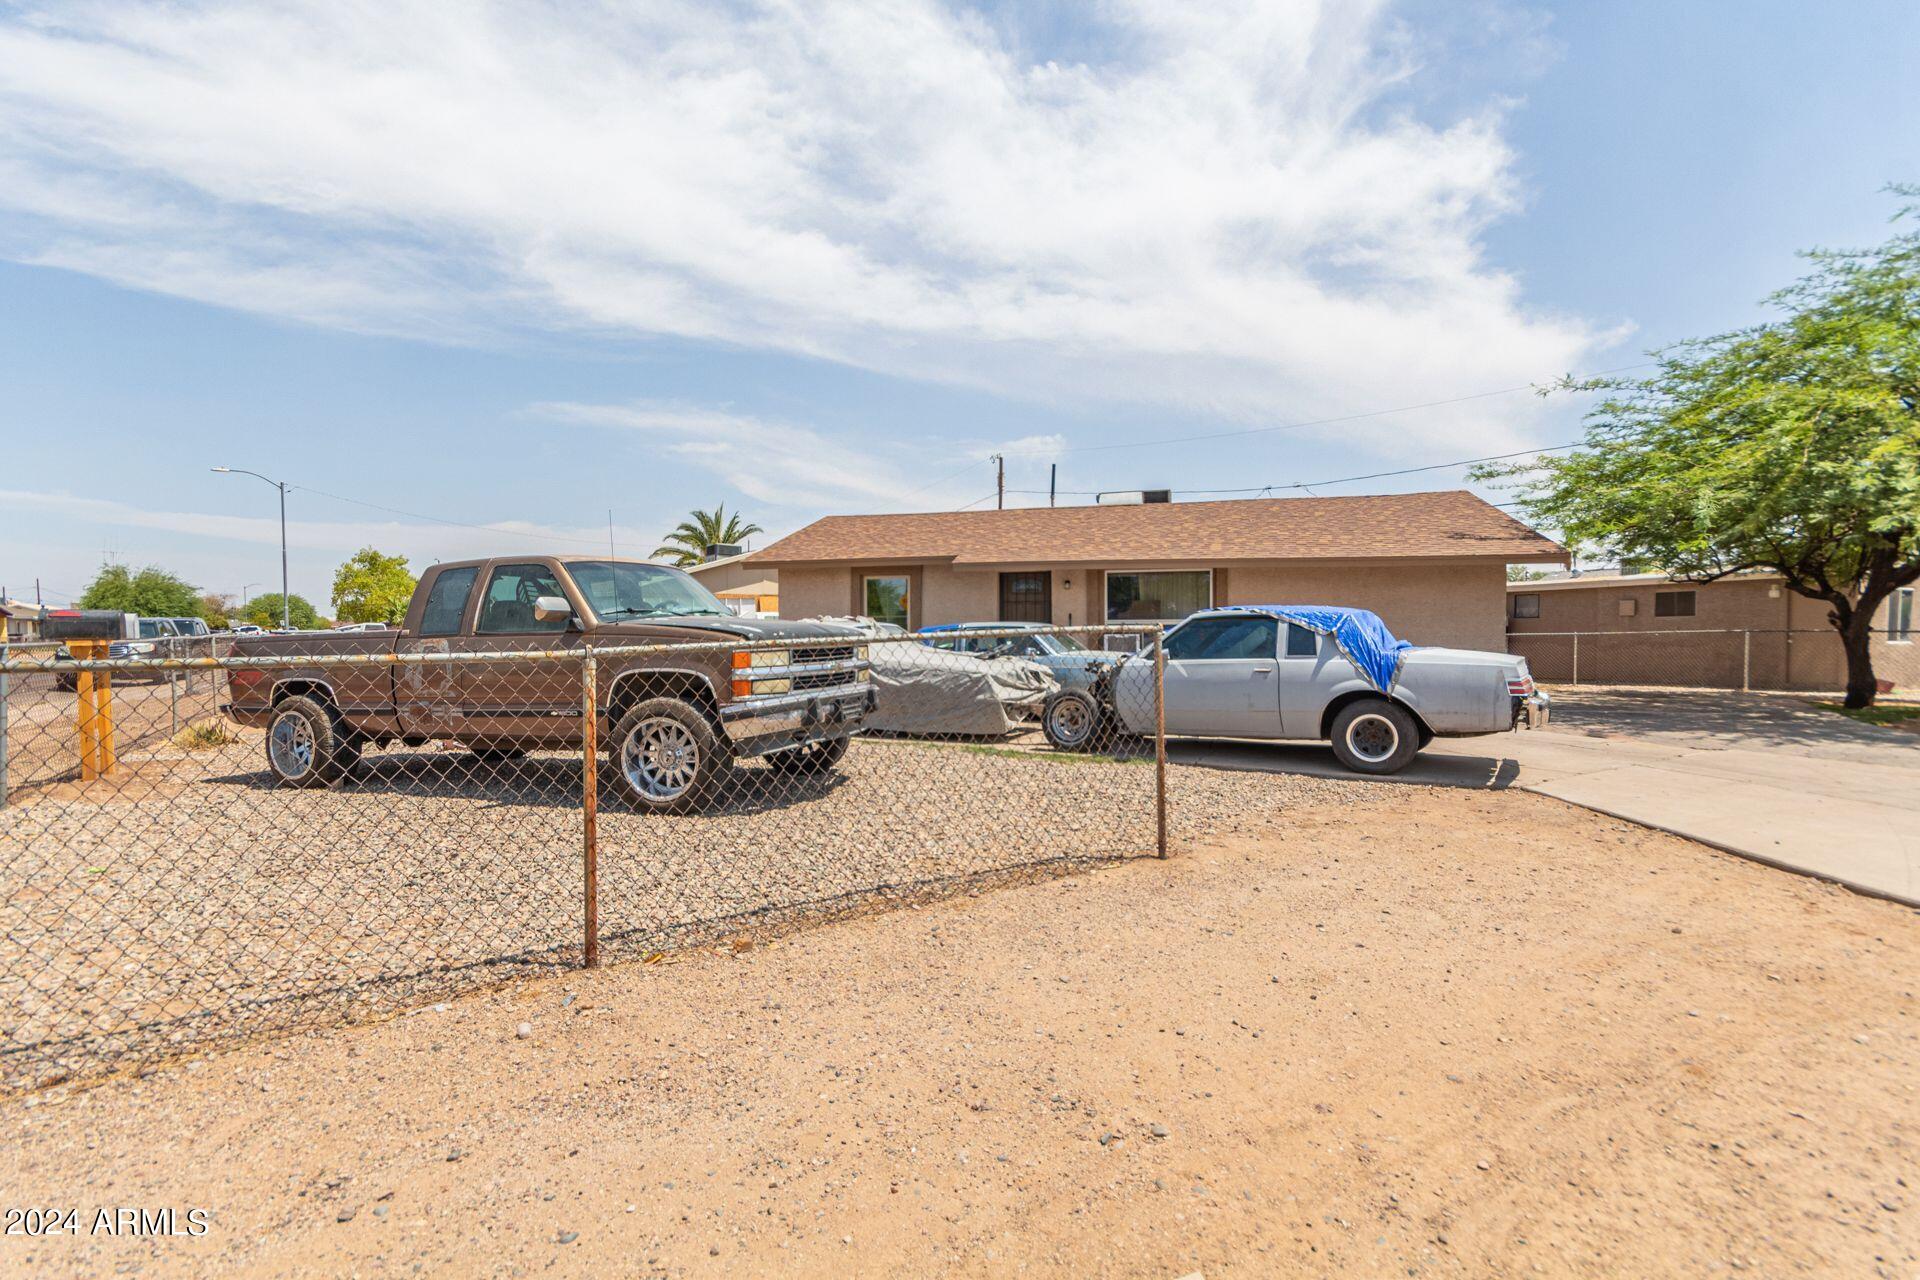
(672, 724)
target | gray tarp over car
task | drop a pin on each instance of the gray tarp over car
(921, 690)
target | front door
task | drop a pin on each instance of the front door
(1222, 680)
(1026, 597)
(521, 702)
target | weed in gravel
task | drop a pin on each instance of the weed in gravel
(207, 735)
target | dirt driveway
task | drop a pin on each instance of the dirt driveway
(1437, 1032)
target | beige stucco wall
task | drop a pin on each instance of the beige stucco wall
(1458, 605)
(1791, 645)
(738, 574)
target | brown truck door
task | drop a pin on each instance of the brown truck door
(427, 695)
(521, 700)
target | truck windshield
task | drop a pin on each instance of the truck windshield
(618, 589)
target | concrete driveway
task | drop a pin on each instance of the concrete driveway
(1767, 776)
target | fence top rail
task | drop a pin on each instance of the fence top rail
(1655, 634)
(574, 653)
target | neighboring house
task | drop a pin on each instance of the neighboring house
(21, 621)
(753, 597)
(723, 573)
(1634, 631)
(1434, 565)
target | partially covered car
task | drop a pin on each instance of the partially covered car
(1305, 673)
(1073, 664)
(925, 691)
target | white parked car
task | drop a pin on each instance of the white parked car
(1305, 673)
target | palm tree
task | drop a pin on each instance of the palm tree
(688, 542)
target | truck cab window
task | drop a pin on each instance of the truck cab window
(507, 608)
(447, 602)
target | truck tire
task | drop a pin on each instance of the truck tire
(815, 757)
(1372, 735)
(667, 758)
(305, 744)
(1075, 720)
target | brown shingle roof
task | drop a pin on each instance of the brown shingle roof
(1447, 524)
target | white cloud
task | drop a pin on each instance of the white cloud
(773, 462)
(1223, 212)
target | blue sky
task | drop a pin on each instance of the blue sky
(515, 268)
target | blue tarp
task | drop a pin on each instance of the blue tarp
(1360, 633)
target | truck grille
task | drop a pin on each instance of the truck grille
(822, 679)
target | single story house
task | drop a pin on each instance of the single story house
(723, 573)
(1747, 630)
(20, 620)
(1434, 565)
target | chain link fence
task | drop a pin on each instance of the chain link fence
(1810, 661)
(296, 830)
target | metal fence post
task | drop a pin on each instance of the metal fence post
(4, 655)
(173, 706)
(590, 805)
(1576, 657)
(1160, 738)
(1746, 661)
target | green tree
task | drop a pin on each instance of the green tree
(264, 611)
(151, 592)
(216, 608)
(688, 542)
(1792, 447)
(372, 587)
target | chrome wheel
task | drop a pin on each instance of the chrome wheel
(1373, 738)
(660, 758)
(1069, 722)
(290, 744)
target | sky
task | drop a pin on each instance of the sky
(480, 279)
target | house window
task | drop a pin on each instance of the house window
(1673, 604)
(1158, 597)
(888, 600)
(1527, 606)
(1900, 615)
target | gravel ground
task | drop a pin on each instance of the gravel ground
(1395, 1032)
(183, 900)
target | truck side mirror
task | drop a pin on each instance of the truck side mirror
(551, 608)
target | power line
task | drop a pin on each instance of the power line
(1351, 417)
(460, 524)
(1315, 484)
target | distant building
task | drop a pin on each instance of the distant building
(22, 620)
(1646, 628)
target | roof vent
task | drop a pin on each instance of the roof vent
(1133, 497)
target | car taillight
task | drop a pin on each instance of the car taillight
(1521, 687)
(247, 680)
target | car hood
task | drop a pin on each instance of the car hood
(737, 627)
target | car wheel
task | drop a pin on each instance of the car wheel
(815, 757)
(305, 747)
(1375, 736)
(667, 757)
(1074, 720)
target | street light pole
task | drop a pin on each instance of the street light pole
(286, 598)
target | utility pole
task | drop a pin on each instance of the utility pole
(1053, 478)
(1000, 484)
(286, 600)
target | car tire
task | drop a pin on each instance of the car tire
(305, 744)
(1075, 720)
(668, 758)
(815, 757)
(1375, 736)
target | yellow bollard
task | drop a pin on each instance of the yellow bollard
(94, 713)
